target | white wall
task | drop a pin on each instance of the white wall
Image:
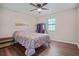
(7, 23)
(9, 18)
(0, 21)
(78, 25)
(65, 26)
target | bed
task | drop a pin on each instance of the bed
(31, 40)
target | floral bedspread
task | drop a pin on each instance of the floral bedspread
(31, 40)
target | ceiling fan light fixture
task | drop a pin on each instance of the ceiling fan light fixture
(39, 9)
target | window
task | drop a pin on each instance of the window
(51, 24)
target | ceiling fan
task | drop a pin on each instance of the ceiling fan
(39, 7)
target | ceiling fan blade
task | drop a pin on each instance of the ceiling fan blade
(45, 9)
(33, 9)
(33, 4)
(44, 4)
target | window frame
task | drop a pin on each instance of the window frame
(51, 26)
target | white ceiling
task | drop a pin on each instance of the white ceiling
(25, 8)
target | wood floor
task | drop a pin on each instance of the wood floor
(56, 49)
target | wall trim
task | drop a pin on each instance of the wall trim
(66, 42)
(78, 45)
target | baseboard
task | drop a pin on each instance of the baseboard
(78, 45)
(66, 42)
